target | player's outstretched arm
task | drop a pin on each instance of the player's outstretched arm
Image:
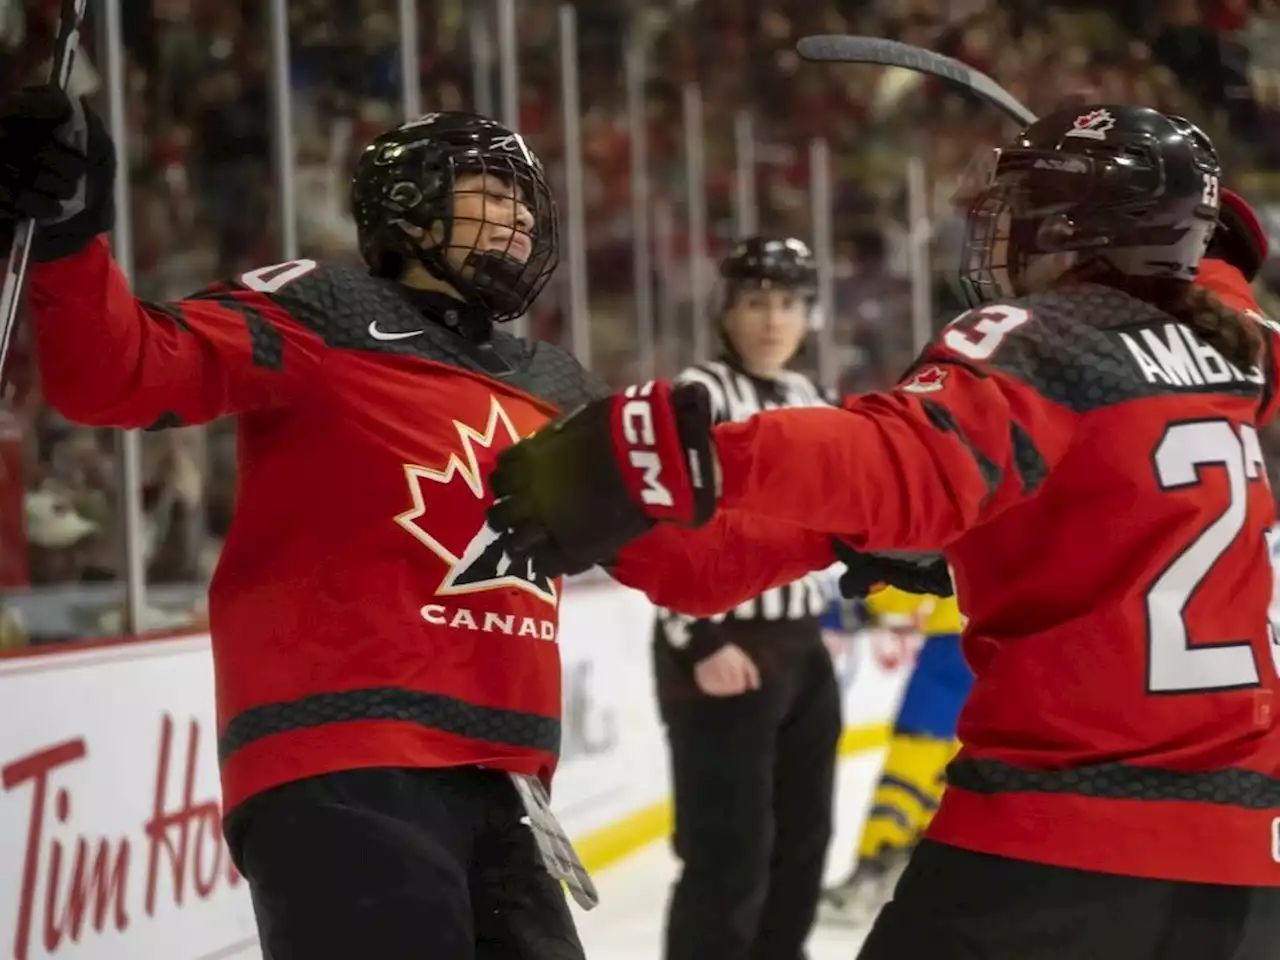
(109, 358)
(106, 357)
(910, 469)
(707, 570)
(968, 434)
(703, 571)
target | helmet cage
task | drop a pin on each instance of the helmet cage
(419, 186)
(1110, 204)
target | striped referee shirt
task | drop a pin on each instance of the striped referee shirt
(737, 396)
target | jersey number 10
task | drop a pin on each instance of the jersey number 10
(1175, 665)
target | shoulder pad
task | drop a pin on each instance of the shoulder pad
(1074, 346)
(554, 374)
(302, 288)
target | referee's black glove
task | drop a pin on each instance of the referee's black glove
(921, 573)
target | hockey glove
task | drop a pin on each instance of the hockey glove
(580, 489)
(921, 573)
(57, 166)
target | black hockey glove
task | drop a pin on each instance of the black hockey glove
(576, 492)
(57, 165)
(924, 573)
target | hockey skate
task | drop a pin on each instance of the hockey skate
(856, 901)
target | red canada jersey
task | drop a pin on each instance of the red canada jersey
(361, 613)
(1092, 470)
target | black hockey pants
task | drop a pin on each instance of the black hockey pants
(953, 904)
(753, 777)
(399, 864)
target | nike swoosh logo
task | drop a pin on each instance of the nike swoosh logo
(386, 335)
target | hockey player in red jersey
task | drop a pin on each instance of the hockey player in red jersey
(388, 683)
(1235, 256)
(1083, 446)
(388, 680)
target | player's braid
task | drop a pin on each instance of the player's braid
(1235, 336)
(1229, 332)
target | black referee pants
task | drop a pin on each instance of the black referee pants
(753, 778)
(399, 864)
(953, 904)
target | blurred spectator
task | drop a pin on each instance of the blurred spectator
(57, 538)
(204, 203)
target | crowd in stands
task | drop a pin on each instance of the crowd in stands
(204, 200)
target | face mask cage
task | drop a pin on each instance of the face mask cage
(1022, 204)
(986, 273)
(498, 209)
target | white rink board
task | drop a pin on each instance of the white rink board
(108, 755)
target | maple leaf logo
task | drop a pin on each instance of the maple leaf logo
(1092, 125)
(928, 380)
(482, 564)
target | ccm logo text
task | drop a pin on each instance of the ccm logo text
(637, 431)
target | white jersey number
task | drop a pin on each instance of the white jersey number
(277, 276)
(1175, 665)
(977, 334)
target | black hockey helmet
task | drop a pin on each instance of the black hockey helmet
(770, 263)
(764, 263)
(410, 175)
(786, 263)
(1129, 190)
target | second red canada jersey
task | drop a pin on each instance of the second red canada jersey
(1124, 713)
(1092, 469)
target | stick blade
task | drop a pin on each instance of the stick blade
(835, 48)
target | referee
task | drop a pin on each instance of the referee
(749, 698)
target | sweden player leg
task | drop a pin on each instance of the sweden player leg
(923, 743)
(911, 783)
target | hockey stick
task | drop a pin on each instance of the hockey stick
(838, 48)
(15, 273)
(835, 48)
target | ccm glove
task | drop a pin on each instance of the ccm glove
(573, 494)
(924, 573)
(57, 166)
